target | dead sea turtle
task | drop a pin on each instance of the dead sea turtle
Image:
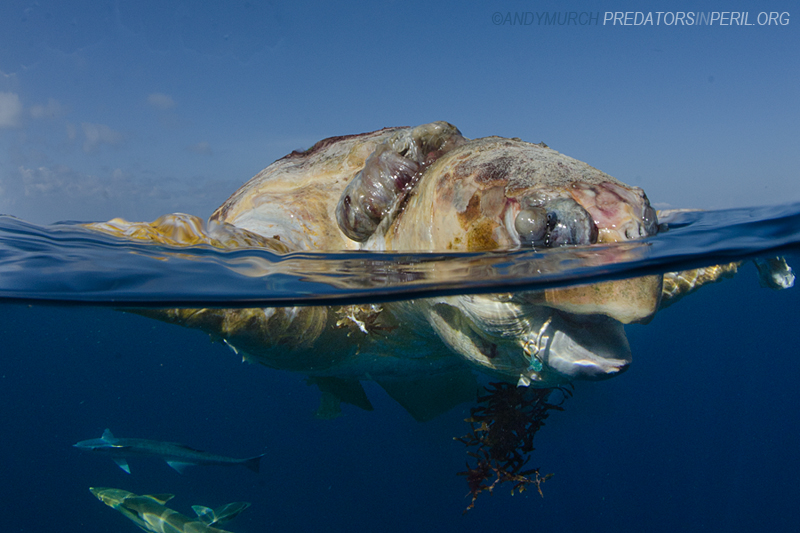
(424, 189)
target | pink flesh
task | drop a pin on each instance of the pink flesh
(613, 208)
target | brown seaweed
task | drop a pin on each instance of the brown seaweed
(503, 425)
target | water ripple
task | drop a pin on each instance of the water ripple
(66, 263)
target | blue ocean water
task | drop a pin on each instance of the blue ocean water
(699, 434)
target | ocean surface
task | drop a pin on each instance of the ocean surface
(700, 434)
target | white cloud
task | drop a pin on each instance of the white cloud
(10, 110)
(97, 134)
(59, 180)
(200, 148)
(52, 109)
(161, 101)
(44, 194)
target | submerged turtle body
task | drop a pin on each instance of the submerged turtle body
(419, 190)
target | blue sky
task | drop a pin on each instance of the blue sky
(136, 109)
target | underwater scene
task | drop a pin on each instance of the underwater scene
(697, 434)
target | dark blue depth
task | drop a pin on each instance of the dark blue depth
(698, 435)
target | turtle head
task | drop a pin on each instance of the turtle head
(431, 185)
(496, 193)
(430, 189)
(499, 194)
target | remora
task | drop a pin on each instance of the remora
(150, 514)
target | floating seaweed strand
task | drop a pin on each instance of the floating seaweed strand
(503, 425)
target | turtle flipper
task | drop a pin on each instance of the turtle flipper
(337, 390)
(679, 284)
(773, 273)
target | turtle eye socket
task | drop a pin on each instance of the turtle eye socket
(376, 193)
(531, 224)
(569, 223)
(558, 223)
(650, 220)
